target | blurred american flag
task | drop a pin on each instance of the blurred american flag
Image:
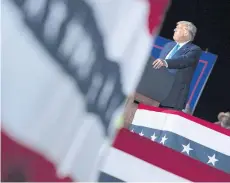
(67, 67)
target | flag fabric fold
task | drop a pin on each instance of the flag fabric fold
(67, 67)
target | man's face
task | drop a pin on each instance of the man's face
(180, 33)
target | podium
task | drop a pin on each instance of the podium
(154, 86)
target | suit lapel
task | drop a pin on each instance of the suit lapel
(183, 49)
(170, 47)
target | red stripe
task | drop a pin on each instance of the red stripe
(167, 159)
(187, 116)
(158, 47)
(198, 80)
(22, 164)
(156, 13)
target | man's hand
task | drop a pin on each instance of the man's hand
(158, 63)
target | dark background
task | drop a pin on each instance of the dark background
(212, 19)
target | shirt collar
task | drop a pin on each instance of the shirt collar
(182, 44)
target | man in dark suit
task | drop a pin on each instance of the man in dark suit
(181, 58)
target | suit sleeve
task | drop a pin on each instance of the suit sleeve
(187, 60)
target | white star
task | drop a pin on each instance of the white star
(163, 140)
(186, 148)
(212, 159)
(141, 134)
(153, 137)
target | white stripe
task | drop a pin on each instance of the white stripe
(131, 169)
(183, 127)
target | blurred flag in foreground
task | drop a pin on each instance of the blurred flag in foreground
(169, 146)
(67, 67)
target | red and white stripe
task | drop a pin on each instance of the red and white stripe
(137, 159)
(184, 125)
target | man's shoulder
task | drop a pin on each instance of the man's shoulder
(190, 45)
(195, 47)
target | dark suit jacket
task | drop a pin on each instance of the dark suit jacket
(184, 61)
